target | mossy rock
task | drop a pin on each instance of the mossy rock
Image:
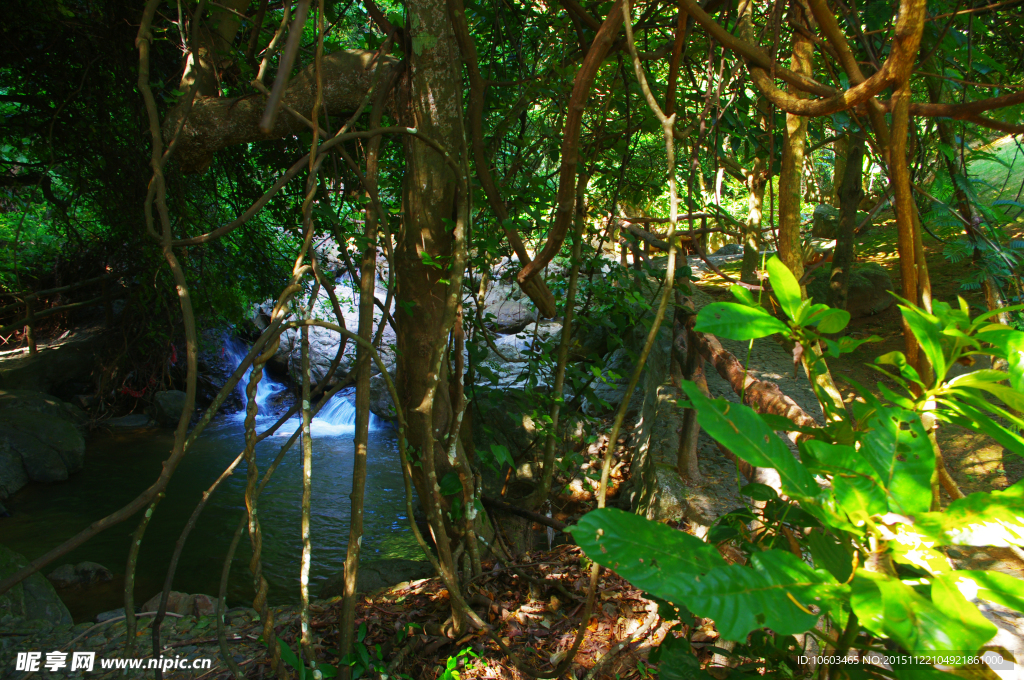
(870, 286)
(32, 599)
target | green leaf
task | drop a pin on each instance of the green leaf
(743, 295)
(828, 553)
(290, 658)
(1014, 348)
(785, 286)
(742, 431)
(737, 322)
(897, 448)
(759, 492)
(832, 321)
(967, 416)
(450, 484)
(887, 606)
(501, 455)
(981, 519)
(926, 329)
(773, 591)
(651, 556)
(899, 360)
(678, 662)
(989, 585)
(855, 484)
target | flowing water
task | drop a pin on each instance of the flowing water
(120, 465)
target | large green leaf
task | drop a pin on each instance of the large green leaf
(856, 485)
(737, 322)
(887, 606)
(1015, 358)
(828, 553)
(741, 430)
(898, 449)
(989, 585)
(927, 330)
(785, 286)
(981, 519)
(832, 320)
(651, 556)
(773, 591)
(968, 417)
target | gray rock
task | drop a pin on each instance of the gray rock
(34, 598)
(730, 249)
(824, 222)
(183, 603)
(135, 421)
(506, 309)
(49, 370)
(25, 425)
(79, 575)
(381, 403)
(611, 388)
(39, 402)
(112, 614)
(669, 501)
(12, 472)
(869, 294)
(376, 574)
(49, 446)
(167, 407)
(323, 347)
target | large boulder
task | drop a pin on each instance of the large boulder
(41, 436)
(376, 574)
(33, 598)
(610, 389)
(507, 309)
(167, 407)
(323, 347)
(81, 575)
(825, 221)
(870, 286)
(730, 249)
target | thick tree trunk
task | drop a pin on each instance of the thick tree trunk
(429, 99)
(217, 122)
(851, 192)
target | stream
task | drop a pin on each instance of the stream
(119, 466)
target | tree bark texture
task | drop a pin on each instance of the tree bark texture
(850, 193)
(218, 122)
(756, 179)
(840, 149)
(429, 99)
(790, 243)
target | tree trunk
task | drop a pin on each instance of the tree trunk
(851, 192)
(840, 148)
(756, 178)
(429, 99)
(790, 243)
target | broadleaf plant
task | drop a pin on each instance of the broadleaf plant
(849, 549)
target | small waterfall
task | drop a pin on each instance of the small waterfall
(338, 416)
(267, 389)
